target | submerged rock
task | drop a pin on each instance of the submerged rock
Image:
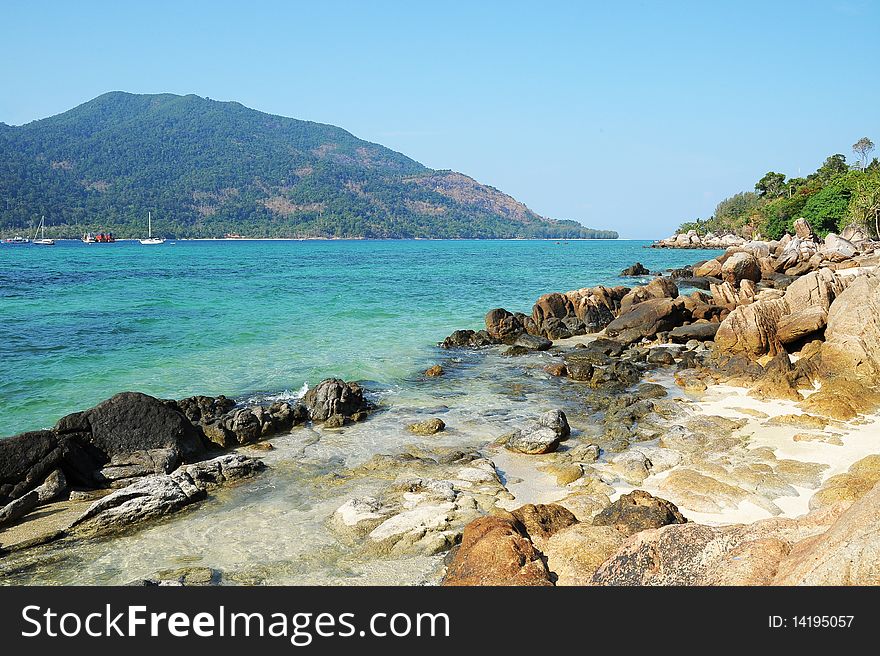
(427, 427)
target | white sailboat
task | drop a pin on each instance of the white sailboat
(42, 241)
(150, 240)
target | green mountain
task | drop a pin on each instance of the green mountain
(207, 168)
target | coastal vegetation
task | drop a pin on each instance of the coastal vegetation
(207, 168)
(836, 195)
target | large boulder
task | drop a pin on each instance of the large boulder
(497, 551)
(852, 336)
(637, 269)
(552, 306)
(503, 325)
(803, 230)
(660, 287)
(752, 329)
(334, 397)
(132, 421)
(741, 266)
(800, 324)
(837, 249)
(596, 307)
(818, 288)
(25, 460)
(694, 554)
(649, 317)
(848, 553)
(709, 269)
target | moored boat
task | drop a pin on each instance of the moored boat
(42, 241)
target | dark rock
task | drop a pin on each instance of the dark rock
(333, 396)
(638, 511)
(647, 318)
(579, 370)
(703, 332)
(661, 356)
(25, 460)
(201, 409)
(132, 421)
(590, 356)
(468, 339)
(635, 270)
(533, 342)
(515, 351)
(554, 329)
(502, 325)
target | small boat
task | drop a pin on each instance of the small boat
(42, 241)
(17, 241)
(150, 240)
(88, 238)
(100, 238)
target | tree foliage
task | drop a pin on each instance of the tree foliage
(830, 198)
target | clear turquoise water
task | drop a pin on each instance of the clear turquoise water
(79, 322)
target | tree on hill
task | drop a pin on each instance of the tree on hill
(863, 148)
(771, 185)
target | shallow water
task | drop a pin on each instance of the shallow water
(253, 319)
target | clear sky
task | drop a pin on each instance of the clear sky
(626, 115)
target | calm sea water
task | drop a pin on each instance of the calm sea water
(80, 322)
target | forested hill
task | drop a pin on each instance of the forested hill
(206, 168)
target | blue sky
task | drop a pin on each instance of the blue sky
(627, 115)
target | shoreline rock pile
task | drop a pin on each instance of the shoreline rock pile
(155, 453)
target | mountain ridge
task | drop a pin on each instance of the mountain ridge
(206, 168)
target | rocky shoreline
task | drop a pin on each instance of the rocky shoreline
(661, 414)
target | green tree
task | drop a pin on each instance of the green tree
(833, 166)
(771, 185)
(864, 208)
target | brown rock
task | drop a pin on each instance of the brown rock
(496, 551)
(848, 553)
(852, 337)
(427, 427)
(557, 369)
(575, 553)
(554, 305)
(752, 329)
(803, 230)
(741, 266)
(648, 318)
(658, 288)
(434, 371)
(709, 269)
(503, 325)
(638, 511)
(800, 324)
(543, 520)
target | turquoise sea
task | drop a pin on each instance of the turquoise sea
(257, 318)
